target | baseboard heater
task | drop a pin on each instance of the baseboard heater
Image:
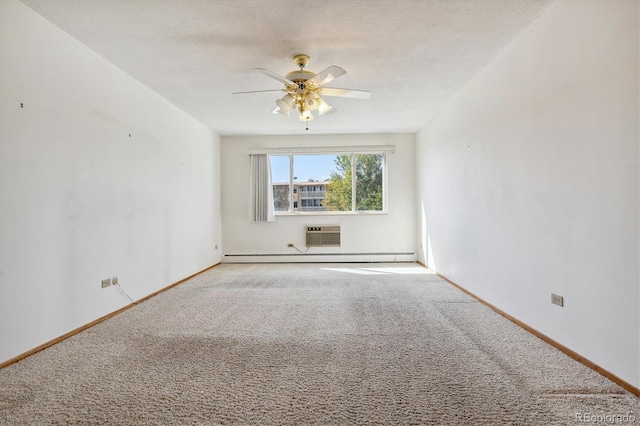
(309, 257)
(323, 236)
(317, 254)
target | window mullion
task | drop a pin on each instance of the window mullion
(353, 182)
(384, 182)
(291, 194)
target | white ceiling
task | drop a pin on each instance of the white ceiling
(412, 55)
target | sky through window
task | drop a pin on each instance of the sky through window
(317, 167)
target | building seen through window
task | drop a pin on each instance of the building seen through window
(307, 196)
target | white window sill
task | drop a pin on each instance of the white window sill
(365, 213)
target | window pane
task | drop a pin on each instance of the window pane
(280, 181)
(312, 174)
(369, 182)
(337, 191)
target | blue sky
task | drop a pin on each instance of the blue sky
(305, 167)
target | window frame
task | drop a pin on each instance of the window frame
(382, 151)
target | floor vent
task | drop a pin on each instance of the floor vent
(323, 236)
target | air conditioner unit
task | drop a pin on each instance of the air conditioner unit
(323, 236)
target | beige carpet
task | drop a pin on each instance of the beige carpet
(308, 344)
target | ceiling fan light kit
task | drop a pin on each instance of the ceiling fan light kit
(303, 89)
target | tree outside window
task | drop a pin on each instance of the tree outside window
(368, 181)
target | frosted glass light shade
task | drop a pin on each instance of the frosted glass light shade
(285, 104)
(306, 116)
(323, 107)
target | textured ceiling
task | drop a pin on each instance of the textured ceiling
(412, 55)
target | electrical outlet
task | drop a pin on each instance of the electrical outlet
(114, 281)
(289, 244)
(557, 300)
(106, 282)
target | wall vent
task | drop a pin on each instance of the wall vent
(323, 236)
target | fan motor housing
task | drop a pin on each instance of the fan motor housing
(300, 76)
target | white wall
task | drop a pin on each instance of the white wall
(378, 233)
(100, 177)
(529, 182)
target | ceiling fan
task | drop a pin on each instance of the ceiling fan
(303, 89)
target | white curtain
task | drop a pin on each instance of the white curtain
(261, 203)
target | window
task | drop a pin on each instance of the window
(325, 183)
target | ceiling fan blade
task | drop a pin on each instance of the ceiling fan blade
(327, 75)
(346, 93)
(258, 91)
(275, 76)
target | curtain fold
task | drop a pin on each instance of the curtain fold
(261, 202)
